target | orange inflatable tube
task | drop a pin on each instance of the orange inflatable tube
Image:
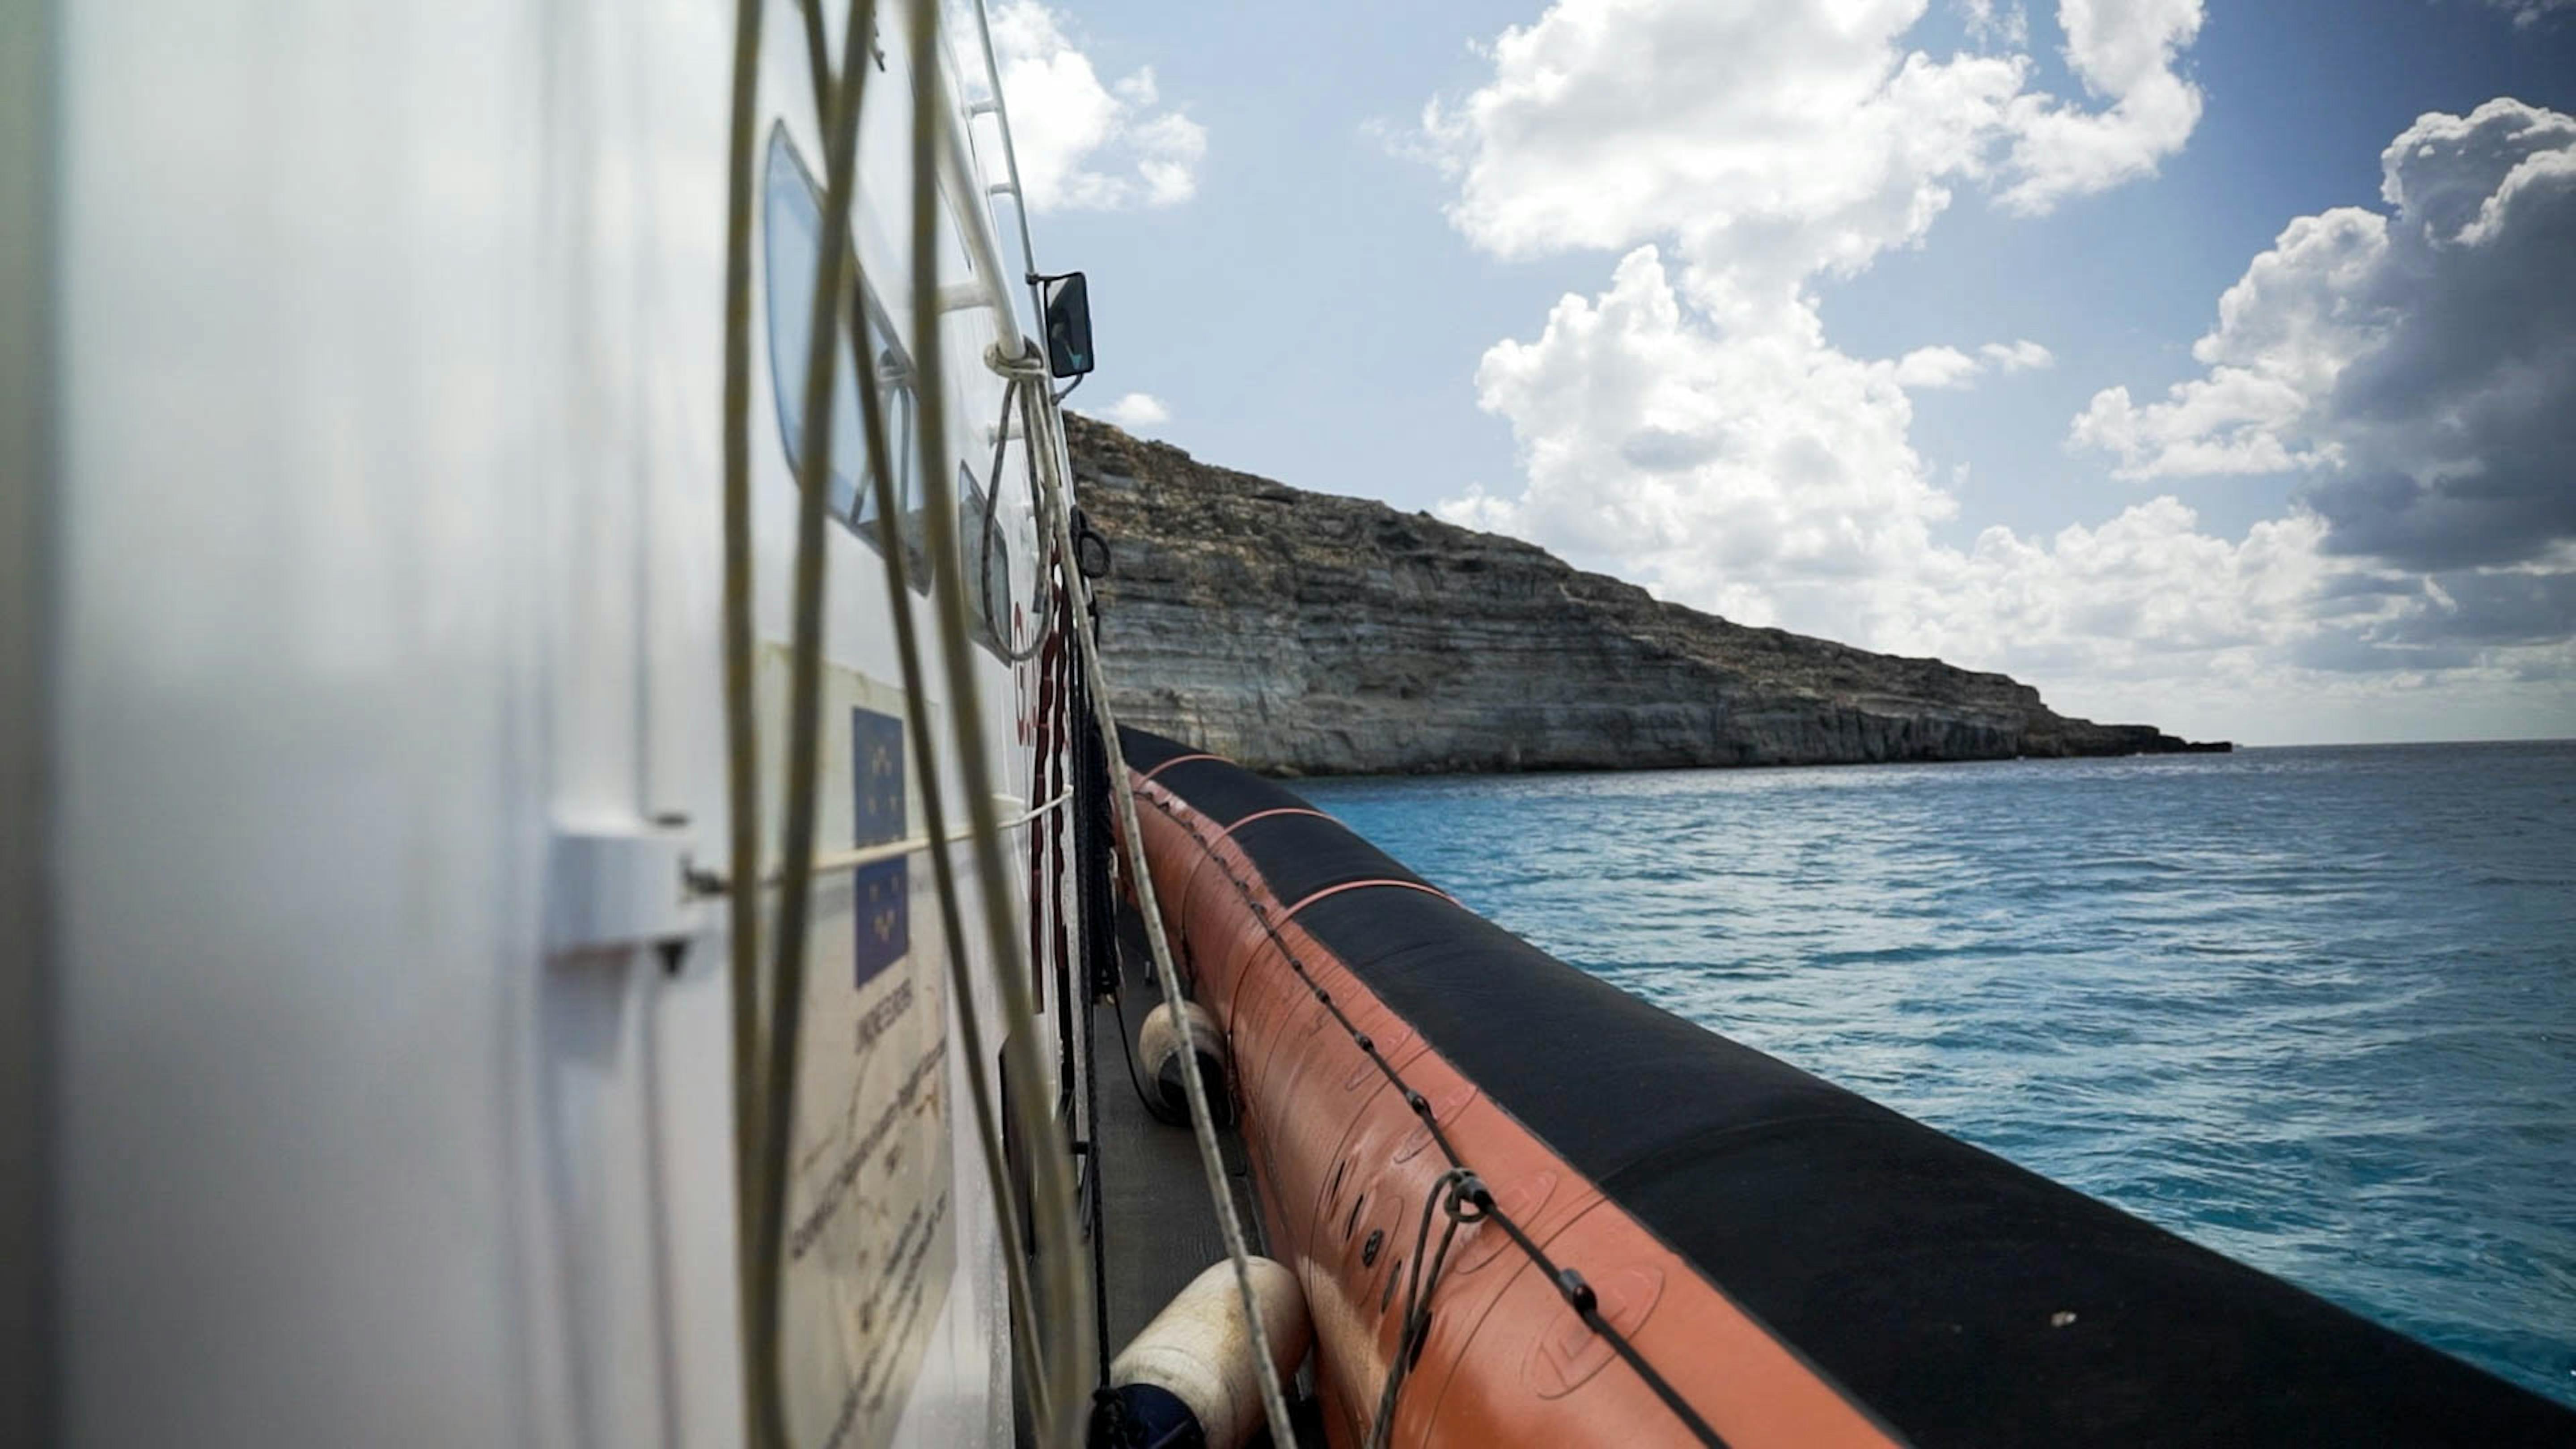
(1552, 1214)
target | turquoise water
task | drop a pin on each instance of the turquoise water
(2313, 1008)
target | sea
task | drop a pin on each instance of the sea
(2313, 1008)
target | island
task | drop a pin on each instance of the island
(1304, 633)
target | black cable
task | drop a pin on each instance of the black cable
(1126, 1048)
(1096, 844)
(1066, 998)
(1099, 1188)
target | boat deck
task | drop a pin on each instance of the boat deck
(1161, 1229)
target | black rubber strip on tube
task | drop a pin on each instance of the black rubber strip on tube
(1964, 1299)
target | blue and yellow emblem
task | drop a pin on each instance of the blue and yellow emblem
(884, 890)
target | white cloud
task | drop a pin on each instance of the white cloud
(2007, 25)
(1083, 145)
(1774, 142)
(1931, 367)
(2531, 12)
(2021, 356)
(2124, 52)
(1760, 475)
(2419, 364)
(1775, 484)
(1137, 410)
(1948, 367)
(2286, 330)
(1692, 425)
(1693, 428)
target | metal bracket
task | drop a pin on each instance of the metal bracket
(618, 885)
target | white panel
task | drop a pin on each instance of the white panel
(389, 546)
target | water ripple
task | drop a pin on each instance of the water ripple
(2313, 1008)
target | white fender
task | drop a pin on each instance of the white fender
(1198, 1351)
(1158, 1042)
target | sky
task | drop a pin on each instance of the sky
(2204, 363)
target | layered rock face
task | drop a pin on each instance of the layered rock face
(1303, 633)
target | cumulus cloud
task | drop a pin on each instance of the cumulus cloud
(2124, 52)
(1997, 24)
(1774, 483)
(2018, 356)
(1692, 427)
(1102, 146)
(1948, 367)
(1137, 410)
(2419, 364)
(1772, 141)
(1778, 141)
(1747, 473)
(1932, 367)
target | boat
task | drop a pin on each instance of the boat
(573, 879)
(464, 776)
(1528, 1208)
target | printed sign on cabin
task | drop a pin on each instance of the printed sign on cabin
(870, 1244)
(884, 890)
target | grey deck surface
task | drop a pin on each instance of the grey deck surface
(1161, 1228)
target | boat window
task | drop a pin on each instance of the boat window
(793, 234)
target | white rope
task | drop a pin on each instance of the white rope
(1064, 1367)
(1057, 1412)
(1274, 1401)
(789, 963)
(710, 883)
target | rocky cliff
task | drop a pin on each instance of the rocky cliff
(1303, 633)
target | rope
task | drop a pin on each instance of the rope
(804, 743)
(1452, 1191)
(1046, 903)
(1570, 1285)
(1051, 1193)
(1135, 1078)
(1274, 1402)
(1069, 894)
(832, 862)
(988, 1132)
(1011, 653)
(805, 746)
(754, 1120)
(742, 743)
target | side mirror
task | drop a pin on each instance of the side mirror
(1068, 324)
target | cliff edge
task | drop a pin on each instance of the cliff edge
(1304, 633)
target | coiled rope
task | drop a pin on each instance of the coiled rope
(1454, 1192)
(1014, 390)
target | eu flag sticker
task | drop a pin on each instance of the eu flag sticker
(877, 741)
(883, 890)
